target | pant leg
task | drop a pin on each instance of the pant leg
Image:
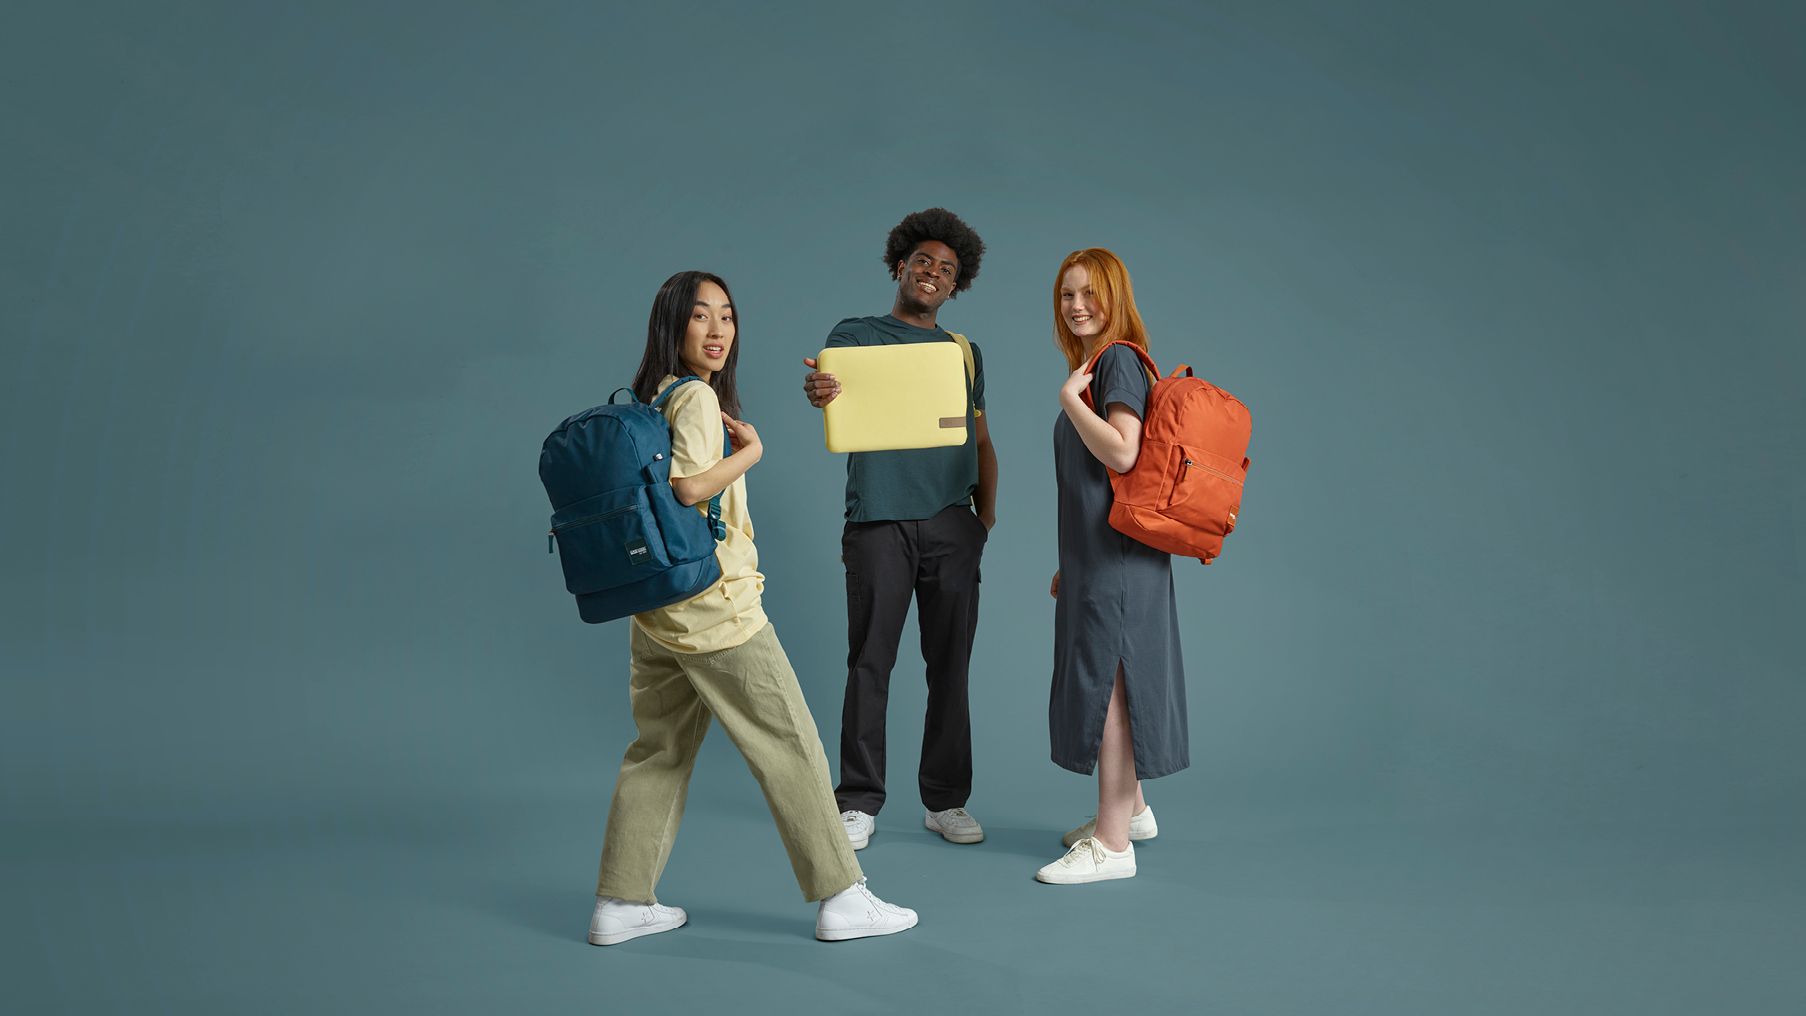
(753, 691)
(655, 774)
(880, 563)
(952, 544)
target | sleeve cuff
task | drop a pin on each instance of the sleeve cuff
(1131, 399)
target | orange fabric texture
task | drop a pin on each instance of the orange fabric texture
(1185, 489)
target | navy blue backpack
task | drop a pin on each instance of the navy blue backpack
(626, 543)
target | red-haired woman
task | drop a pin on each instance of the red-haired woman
(1118, 700)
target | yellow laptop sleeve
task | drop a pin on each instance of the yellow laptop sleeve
(911, 395)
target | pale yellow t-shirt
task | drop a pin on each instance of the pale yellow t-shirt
(729, 612)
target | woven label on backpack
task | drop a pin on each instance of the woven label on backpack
(638, 553)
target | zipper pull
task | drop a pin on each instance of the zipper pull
(548, 541)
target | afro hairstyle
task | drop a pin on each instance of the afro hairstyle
(936, 224)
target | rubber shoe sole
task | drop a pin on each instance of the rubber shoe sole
(617, 937)
(848, 934)
(1104, 876)
(977, 837)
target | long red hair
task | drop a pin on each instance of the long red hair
(1111, 288)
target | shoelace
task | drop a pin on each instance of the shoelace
(1089, 843)
(849, 817)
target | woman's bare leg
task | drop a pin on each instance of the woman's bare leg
(1118, 792)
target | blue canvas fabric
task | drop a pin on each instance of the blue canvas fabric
(625, 542)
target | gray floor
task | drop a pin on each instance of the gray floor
(480, 906)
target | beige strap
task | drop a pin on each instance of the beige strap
(971, 366)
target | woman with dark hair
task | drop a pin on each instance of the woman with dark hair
(716, 655)
(1118, 698)
(667, 330)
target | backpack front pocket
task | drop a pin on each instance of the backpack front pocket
(608, 540)
(1206, 491)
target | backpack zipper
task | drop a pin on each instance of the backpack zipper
(1209, 469)
(586, 520)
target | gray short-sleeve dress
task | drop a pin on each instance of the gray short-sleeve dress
(1115, 605)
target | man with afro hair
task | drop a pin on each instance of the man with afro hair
(917, 521)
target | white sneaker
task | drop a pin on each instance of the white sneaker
(859, 826)
(954, 825)
(1089, 861)
(618, 921)
(855, 913)
(1141, 827)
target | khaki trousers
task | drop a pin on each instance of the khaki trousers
(753, 691)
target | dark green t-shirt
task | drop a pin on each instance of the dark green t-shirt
(915, 483)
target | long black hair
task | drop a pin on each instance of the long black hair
(665, 329)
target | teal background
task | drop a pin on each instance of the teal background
(1496, 698)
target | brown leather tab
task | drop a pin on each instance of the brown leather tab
(950, 422)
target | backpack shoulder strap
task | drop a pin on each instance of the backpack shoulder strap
(658, 400)
(717, 528)
(965, 349)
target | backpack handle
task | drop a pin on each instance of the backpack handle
(1091, 367)
(1184, 367)
(617, 391)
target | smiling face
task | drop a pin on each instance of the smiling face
(925, 278)
(709, 337)
(1080, 307)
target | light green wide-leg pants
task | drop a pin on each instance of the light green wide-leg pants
(753, 691)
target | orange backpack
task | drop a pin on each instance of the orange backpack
(1185, 488)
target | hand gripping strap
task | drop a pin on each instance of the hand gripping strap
(1091, 368)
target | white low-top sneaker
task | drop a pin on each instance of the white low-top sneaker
(954, 825)
(617, 921)
(1141, 827)
(855, 912)
(1089, 861)
(859, 826)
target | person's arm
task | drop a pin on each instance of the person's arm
(1115, 441)
(695, 489)
(984, 499)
